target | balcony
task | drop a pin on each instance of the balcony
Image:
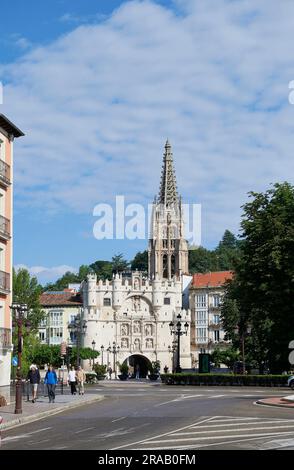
(5, 339)
(215, 325)
(4, 174)
(4, 282)
(4, 228)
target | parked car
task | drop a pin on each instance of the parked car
(291, 381)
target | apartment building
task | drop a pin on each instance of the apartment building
(206, 292)
(8, 131)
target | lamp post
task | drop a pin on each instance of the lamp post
(176, 329)
(93, 346)
(79, 327)
(172, 349)
(102, 350)
(20, 312)
(242, 331)
(115, 350)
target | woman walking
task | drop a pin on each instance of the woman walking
(51, 381)
(72, 380)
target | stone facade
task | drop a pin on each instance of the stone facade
(134, 311)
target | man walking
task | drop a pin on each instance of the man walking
(137, 372)
(51, 381)
(34, 379)
(81, 378)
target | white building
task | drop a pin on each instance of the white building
(206, 292)
(134, 311)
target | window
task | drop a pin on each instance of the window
(56, 318)
(200, 300)
(55, 335)
(216, 335)
(216, 319)
(201, 335)
(201, 317)
(167, 301)
(216, 300)
(107, 302)
(42, 335)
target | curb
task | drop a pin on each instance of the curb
(260, 402)
(43, 414)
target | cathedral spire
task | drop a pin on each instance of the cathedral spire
(168, 194)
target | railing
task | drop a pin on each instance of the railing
(5, 338)
(4, 172)
(4, 226)
(4, 281)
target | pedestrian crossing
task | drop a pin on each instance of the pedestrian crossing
(222, 431)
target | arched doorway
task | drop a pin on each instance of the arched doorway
(141, 361)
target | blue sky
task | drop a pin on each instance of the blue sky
(97, 86)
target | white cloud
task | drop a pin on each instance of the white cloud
(45, 274)
(97, 104)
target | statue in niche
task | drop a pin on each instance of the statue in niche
(137, 327)
(136, 284)
(149, 343)
(148, 330)
(124, 330)
(124, 343)
(137, 344)
(136, 303)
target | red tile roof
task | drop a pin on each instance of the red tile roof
(211, 279)
(62, 298)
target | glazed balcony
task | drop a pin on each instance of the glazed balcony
(4, 174)
(4, 282)
(5, 339)
(4, 228)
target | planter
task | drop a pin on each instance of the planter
(123, 376)
(101, 377)
(153, 376)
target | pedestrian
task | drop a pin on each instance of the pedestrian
(81, 378)
(51, 381)
(34, 378)
(137, 371)
(109, 370)
(165, 369)
(72, 380)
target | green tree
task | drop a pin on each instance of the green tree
(264, 276)
(119, 264)
(27, 290)
(103, 269)
(227, 356)
(140, 261)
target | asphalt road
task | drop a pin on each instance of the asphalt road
(154, 416)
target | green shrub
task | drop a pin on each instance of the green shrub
(100, 370)
(225, 379)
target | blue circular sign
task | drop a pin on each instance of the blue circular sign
(14, 361)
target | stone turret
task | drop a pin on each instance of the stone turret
(116, 292)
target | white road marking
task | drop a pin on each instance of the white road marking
(216, 396)
(218, 437)
(118, 419)
(23, 436)
(192, 433)
(162, 435)
(83, 430)
(242, 424)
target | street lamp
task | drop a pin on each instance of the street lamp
(93, 346)
(172, 349)
(20, 313)
(102, 350)
(176, 329)
(79, 327)
(115, 350)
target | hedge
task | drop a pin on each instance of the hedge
(224, 379)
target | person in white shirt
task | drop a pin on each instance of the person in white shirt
(72, 380)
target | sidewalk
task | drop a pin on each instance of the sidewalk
(42, 408)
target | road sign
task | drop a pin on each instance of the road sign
(14, 361)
